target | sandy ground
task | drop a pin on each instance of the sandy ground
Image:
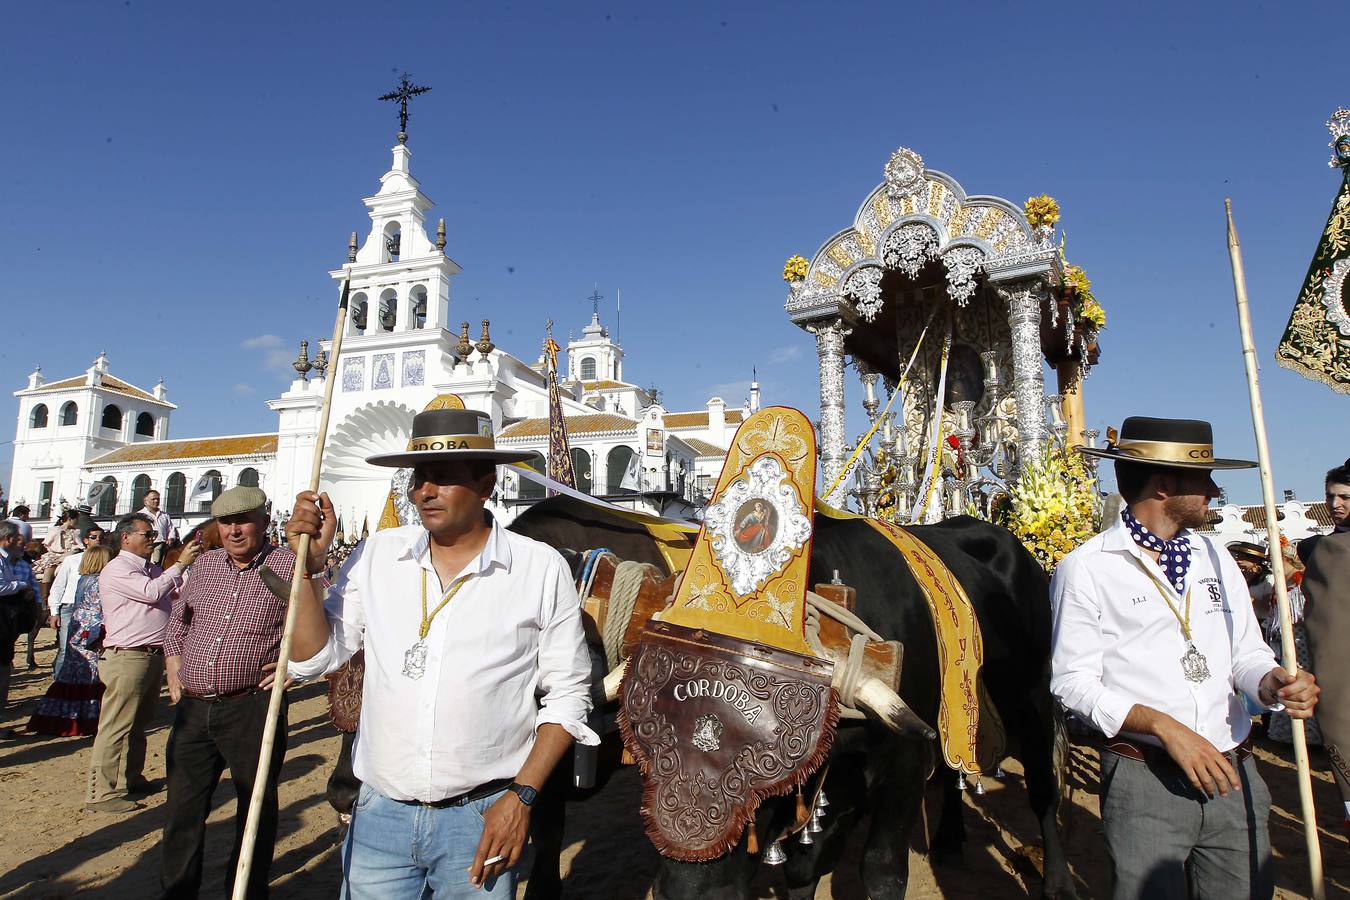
(51, 848)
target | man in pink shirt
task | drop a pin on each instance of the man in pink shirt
(137, 597)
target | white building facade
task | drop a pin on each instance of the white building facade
(398, 355)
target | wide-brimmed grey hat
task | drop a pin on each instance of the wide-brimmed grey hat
(237, 500)
(1174, 443)
(446, 434)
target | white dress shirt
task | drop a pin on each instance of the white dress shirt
(511, 634)
(1116, 643)
(67, 579)
(163, 524)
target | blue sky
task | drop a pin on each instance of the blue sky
(178, 178)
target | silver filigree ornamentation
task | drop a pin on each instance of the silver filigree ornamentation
(830, 334)
(757, 525)
(1339, 126)
(864, 286)
(707, 733)
(1333, 289)
(904, 173)
(1024, 299)
(909, 247)
(963, 264)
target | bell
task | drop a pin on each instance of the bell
(775, 856)
(813, 824)
(805, 837)
(821, 802)
(979, 787)
(960, 782)
(999, 773)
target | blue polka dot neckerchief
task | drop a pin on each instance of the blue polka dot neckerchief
(1174, 556)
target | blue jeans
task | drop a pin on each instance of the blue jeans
(406, 851)
(66, 611)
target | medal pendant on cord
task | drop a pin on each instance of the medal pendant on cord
(1194, 665)
(415, 660)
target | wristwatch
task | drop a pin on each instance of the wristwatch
(526, 793)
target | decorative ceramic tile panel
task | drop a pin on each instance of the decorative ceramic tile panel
(413, 367)
(354, 373)
(381, 371)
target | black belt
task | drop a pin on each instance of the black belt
(485, 789)
(152, 649)
(216, 698)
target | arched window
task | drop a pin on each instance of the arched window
(107, 501)
(112, 417)
(581, 468)
(388, 312)
(588, 368)
(248, 478)
(38, 418)
(419, 307)
(140, 486)
(393, 242)
(533, 490)
(145, 425)
(357, 320)
(616, 464)
(70, 413)
(175, 494)
(214, 475)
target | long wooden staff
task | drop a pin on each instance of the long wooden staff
(298, 584)
(1276, 557)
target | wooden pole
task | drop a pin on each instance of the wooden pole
(298, 584)
(1276, 557)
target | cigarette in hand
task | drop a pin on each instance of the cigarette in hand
(493, 860)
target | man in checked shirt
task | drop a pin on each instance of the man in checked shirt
(220, 653)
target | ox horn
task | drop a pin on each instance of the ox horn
(885, 705)
(613, 680)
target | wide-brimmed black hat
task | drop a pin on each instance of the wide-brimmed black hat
(1250, 552)
(1174, 443)
(445, 434)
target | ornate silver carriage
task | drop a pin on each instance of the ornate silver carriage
(955, 302)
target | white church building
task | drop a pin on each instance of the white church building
(399, 354)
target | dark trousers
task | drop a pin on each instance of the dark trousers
(206, 738)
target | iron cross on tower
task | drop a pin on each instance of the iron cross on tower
(595, 299)
(406, 91)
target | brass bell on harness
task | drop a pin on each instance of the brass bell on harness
(775, 856)
(805, 837)
(960, 781)
(813, 824)
(821, 802)
(979, 787)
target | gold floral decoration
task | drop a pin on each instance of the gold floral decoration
(1053, 505)
(1082, 301)
(1042, 210)
(795, 269)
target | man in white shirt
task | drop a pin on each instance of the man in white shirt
(477, 676)
(20, 519)
(1153, 636)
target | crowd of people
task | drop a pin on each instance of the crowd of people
(1148, 649)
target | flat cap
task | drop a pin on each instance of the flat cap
(238, 500)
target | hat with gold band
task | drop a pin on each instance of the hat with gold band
(448, 434)
(1174, 443)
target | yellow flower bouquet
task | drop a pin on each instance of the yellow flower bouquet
(1053, 505)
(795, 269)
(1042, 210)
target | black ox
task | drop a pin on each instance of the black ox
(872, 771)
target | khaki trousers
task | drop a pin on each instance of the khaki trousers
(131, 680)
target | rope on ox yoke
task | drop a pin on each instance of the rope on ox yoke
(623, 596)
(846, 678)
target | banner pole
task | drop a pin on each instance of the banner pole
(1287, 649)
(298, 584)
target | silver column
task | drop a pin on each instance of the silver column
(1024, 300)
(830, 334)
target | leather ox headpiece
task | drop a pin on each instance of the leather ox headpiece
(724, 704)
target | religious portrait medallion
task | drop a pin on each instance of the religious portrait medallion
(757, 525)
